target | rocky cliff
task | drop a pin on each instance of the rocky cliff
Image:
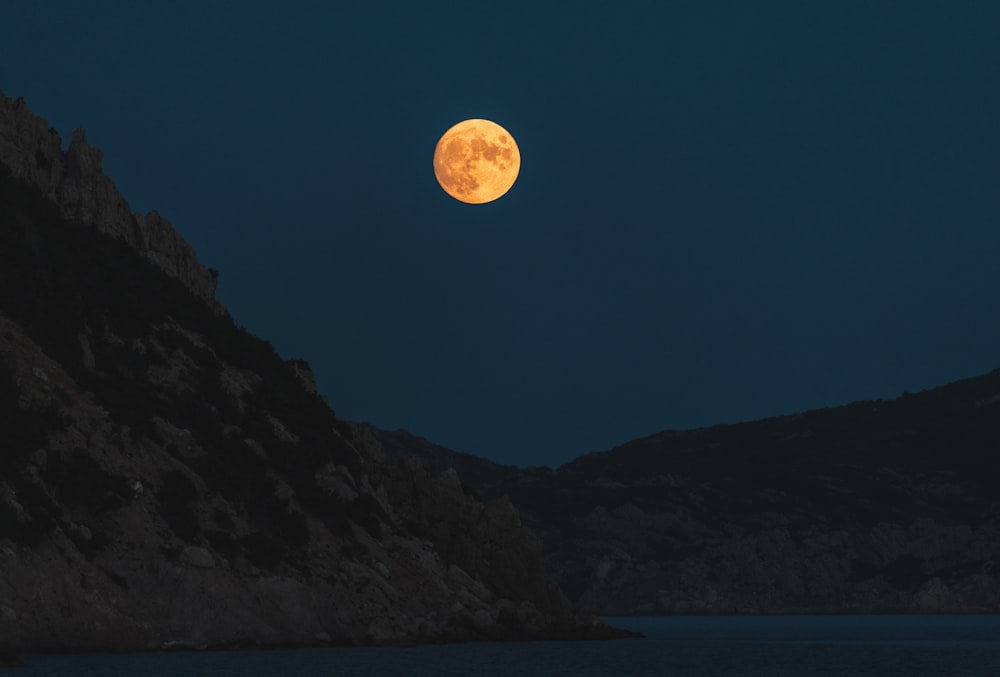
(884, 506)
(74, 180)
(166, 479)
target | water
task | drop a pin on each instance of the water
(770, 645)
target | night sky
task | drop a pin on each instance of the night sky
(725, 211)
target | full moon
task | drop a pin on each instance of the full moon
(476, 161)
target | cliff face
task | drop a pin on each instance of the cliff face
(872, 507)
(166, 479)
(75, 181)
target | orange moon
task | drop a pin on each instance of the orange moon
(476, 161)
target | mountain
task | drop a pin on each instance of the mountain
(872, 507)
(168, 480)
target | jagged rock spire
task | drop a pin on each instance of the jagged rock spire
(75, 180)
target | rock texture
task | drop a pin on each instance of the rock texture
(874, 507)
(167, 480)
(75, 181)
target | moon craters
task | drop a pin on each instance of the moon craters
(476, 161)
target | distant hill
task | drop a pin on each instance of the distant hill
(880, 506)
(167, 480)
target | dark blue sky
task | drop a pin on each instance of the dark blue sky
(726, 210)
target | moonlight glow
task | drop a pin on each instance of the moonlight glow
(476, 161)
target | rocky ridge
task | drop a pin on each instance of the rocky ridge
(74, 180)
(168, 480)
(873, 507)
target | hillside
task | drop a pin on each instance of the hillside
(167, 479)
(879, 506)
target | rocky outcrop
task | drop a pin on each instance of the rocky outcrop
(873, 507)
(75, 180)
(210, 555)
(167, 480)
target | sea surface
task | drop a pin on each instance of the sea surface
(727, 645)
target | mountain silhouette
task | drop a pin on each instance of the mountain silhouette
(876, 506)
(168, 480)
